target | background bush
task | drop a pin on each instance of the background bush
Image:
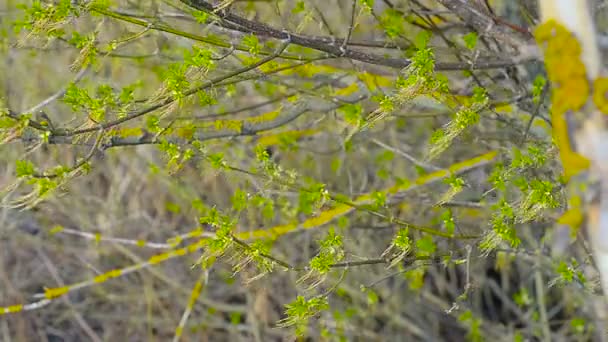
(368, 170)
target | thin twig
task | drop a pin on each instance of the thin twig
(170, 100)
(58, 94)
(333, 46)
(77, 316)
(402, 153)
(351, 26)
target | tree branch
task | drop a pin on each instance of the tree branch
(331, 45)
(484, 23)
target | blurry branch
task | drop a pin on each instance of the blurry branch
(275, 232)
(271, 258)
(334, 46)
(215, 41)
(458, 53)
(539, 287)
(98, 238)
(374, 261)
(410, 265)
(535, 113)
(238, 110)
(415, 161)
(178, 287)
(464, 204)
(194, 295)
(246, 127)
(58, 94)
(82, 162)
(351, 26)
(77, 316)
(365, 202)
(170, 100)
(146, 140)
(485, 23)
(489, 25)
(237, 35)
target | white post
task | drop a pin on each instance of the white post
(591, 132)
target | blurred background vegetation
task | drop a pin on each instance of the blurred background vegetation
(519, 277)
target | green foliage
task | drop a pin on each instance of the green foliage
(503, 222)
(330, 252)
(470, 40)
(367, 4)
(580, 326)
(312, 198)
(421, 42)
(534, 157)
(392, 22)
(45, 18)
(176, 81)
(474, 325)
(24, 168)
(462, 120)
(352, 114)
(425, 246)
(300, 7)
(199, 57)
(301, 310)
(402, 240)
(522, 298)
(537, 87)
(448, 221)
(442, 139)
(570, 272)
(200, 16)
(252, 43)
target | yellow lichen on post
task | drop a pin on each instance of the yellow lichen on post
(563, 20)
(575, 16)
(600, 89)
(571, 89)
